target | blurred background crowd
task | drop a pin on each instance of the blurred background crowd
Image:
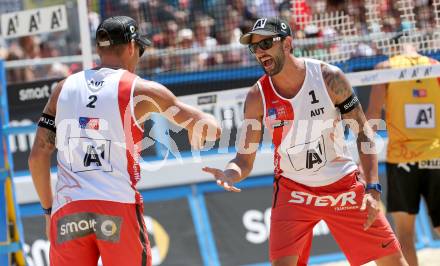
(197, 35)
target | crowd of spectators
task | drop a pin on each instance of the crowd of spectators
(196, 35)
(32, 47)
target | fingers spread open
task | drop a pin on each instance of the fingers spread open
(227, 186)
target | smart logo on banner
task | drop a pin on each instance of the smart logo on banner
(35, 21)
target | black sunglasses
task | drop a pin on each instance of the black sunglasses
(141, 49)
(264, 44)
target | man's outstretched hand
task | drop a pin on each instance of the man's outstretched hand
(222, 179)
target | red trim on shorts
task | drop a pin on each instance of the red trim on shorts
(133, 135)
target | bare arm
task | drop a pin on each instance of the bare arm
(41, 153)
(151, 97)
(241, 166)
(339, 90)
(377, 96)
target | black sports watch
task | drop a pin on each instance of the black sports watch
(47, 211)
(375, 186)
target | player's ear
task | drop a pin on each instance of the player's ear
(131, 48)
(287, 44)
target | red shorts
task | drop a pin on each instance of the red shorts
(299, 208)
(82, 231)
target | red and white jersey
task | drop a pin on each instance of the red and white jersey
(97, 138)
(307, 132)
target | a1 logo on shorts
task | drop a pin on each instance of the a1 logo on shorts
(420, 116)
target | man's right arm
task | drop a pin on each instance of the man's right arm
(152, 97)
(252, 129)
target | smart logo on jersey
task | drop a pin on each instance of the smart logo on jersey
(89, 123)
(419, 93)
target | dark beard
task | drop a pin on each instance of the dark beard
(278, 61)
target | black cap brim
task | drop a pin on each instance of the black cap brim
(246, 38)
(143, 40)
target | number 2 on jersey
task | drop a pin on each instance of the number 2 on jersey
(93, 99)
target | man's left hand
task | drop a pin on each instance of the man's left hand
(371, 203)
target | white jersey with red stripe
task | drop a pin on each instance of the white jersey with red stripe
(97, 138)
(306, 130)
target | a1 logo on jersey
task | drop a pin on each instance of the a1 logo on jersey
(420, 116)
(88, 154)
(308, 157)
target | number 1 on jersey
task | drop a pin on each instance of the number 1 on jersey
(314, 100)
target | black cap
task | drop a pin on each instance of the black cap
(119, 30)
(268, 27)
